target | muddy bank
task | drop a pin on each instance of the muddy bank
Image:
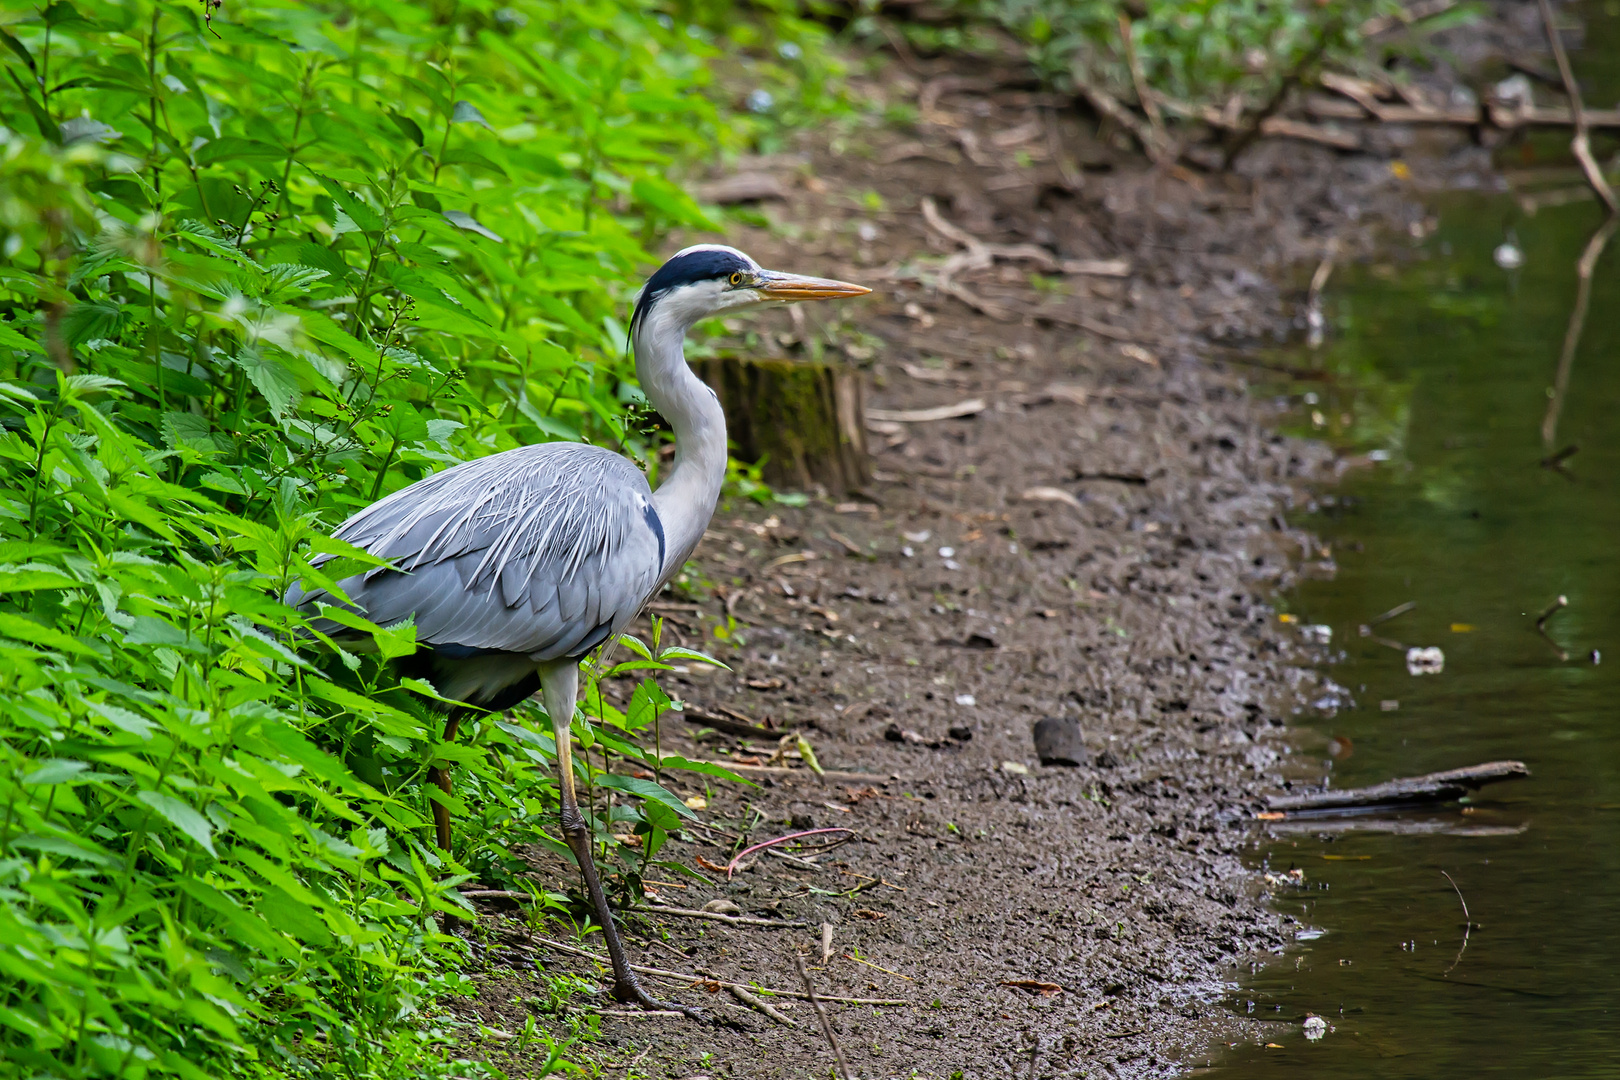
(1098, 542)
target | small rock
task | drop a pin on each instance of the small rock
(1015, 768)
(802, 821)
(1058, 741)
(1315, 1027)
(722, 906)
(960, 733)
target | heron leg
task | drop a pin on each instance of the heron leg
(440, 775)
(559, 688)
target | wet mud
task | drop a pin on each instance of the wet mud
(1098, 543)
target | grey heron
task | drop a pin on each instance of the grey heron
(516, 565)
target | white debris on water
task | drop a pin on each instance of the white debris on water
(1317, 634)
(1315, 1027)
(1429, 661)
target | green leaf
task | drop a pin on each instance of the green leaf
(411, 129)
(55, 771)
(467, 113)
(645, 789)
(676, 652)
(19, 628)
(182, 817)
(466, 221)
(708, 768)
(271, 378)
(11, 339)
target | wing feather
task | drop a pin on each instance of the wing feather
(543, 550)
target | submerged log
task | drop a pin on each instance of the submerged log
(1408, 791)
(804, 419)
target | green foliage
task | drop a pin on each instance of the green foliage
(1192, 52)
(254, 275)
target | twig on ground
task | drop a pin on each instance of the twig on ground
(879, 967)
(496, 894)
(715, 916)
(682, 977)
(742, 995)
(730, 866)
(821, 1014)
(1111, 108)
(1581, 144)
(1468, 922)
(826, 941)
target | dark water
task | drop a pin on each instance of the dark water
(1445, 362)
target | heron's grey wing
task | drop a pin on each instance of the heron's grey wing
(543, 550)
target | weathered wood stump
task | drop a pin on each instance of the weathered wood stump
(805, 419)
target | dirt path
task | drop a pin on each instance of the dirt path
(1098, 543)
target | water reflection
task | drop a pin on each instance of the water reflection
(1494, 491)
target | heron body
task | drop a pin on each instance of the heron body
(514, 566)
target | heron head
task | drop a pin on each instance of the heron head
(706, 280)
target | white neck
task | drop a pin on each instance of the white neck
(686, 499)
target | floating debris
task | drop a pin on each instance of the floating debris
(1317, 634)
(1315, 1027)
(1429, 661)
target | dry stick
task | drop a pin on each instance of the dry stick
(1581, 144)
(715, 916)
(1541, 625)
(1468, 924)
(1584, 268)
(679, 976)
(826, 941)
(821, 1014)
(1294, 77)
(1313, 299)
(753, 1002)
(1160, 152)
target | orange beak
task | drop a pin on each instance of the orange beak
(773, 285)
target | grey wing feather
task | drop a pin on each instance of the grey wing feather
(544, 550)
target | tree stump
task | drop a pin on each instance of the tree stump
(805, 420)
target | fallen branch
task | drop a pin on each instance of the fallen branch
(730, 727)
(742, 995)
(1278, 127)
(1585, 267)
(1581, 144)
(821, 1014)
(715, 916)
(682, 977)
(923, 416)
(1407, 791)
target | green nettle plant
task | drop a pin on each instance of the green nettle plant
(259, 266)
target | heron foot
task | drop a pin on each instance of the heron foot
(630, 992)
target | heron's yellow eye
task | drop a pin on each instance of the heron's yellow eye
(736, 279)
